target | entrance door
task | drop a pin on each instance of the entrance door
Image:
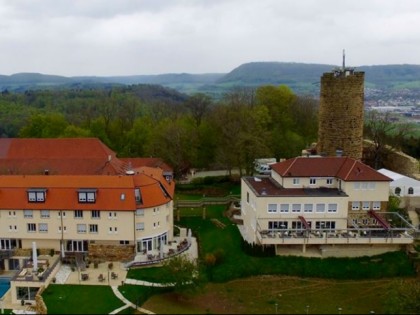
(146, 244)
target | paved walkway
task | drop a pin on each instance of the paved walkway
(192, 253)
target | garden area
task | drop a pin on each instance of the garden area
(238, 278)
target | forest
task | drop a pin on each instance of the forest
(184, 130)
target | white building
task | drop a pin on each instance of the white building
(402, 185)
(325, 203)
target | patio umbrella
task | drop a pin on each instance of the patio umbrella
(34, 257)
(62, 251)
(189, 236)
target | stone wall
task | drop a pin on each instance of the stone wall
(395, 161)
(107, 252)
(341, 114)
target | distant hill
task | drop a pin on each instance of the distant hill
(300, 77)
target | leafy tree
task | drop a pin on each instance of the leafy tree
(174, 141)
(183, 273)
(44, 126)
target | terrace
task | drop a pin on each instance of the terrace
(174, 248)
(391, 229)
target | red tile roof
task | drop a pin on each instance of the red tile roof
(150, 162)
(62, 192)
(344, 168)
(66, 156)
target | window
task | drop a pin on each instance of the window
(376, 205)
(112, 215)
(365, 221)
(12, 228)
(272, 208)
(96, 214)
(81, 228)
(356, 186)
(87, 195)
(308, 207)
(329, 225)
(312, 181)
(140, 226)
(329, 181)
(62, 214)
(36, 195)
(28, 214)
(275, 225)
(140, 212)
(31, 227)
(296, 181)
(371, 186)
(297, 225)
(296, 207)
(78, 214)
(137, 195)
(12, 214)
(64, 229)
(365, 205)
(332, 207)
(355, 205)
(284, 207)
(43, 227)
(364, 186)
(397, 191)
(124, 242)
(93, 228)
(410, 191)
(320, 207)
(45, 214)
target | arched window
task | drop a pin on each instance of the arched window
(410, 191)
(397, 191)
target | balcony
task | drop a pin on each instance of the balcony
(343, 236)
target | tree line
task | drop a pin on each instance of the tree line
(185, 131)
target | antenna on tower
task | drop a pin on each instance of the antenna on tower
(344, 60)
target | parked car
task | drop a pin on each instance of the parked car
(264, 169)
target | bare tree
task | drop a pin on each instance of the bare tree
(385, 133)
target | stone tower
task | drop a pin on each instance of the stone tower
(340, 129)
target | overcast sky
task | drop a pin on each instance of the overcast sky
(128, 37)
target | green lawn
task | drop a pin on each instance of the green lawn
(80, 299)
(235, 263)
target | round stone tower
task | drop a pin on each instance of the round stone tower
(340, 129)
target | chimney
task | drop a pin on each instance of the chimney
(46, 172)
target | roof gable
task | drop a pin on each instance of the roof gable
(345, 168)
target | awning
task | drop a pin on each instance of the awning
(381, 220)
(304, 222)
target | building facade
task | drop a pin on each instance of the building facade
(322, 203)
(75, 196)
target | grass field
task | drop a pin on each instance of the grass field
(80, 299)
(259, 295)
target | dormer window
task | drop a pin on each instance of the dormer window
(137, 195)
(37, 195)
(87, 195)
